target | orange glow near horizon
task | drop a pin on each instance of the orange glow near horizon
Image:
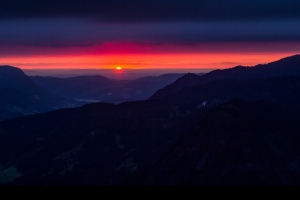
(144, 61)
(133, 56)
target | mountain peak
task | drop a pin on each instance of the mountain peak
(9, 70)
(19, 95)
(12, 77)
(186, 80)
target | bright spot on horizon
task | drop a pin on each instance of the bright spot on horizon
(118, 68)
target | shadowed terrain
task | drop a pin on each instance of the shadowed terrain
(19, 95)
(221, 132)
(170, 141)
(289, 66)
(99, 88)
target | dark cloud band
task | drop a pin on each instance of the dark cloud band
(152, 10)
(62, 32)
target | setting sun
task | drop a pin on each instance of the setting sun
(118, 68)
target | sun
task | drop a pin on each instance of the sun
(118, 68)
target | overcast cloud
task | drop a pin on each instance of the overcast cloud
(68, 23)
(61, 32)
(153, 10)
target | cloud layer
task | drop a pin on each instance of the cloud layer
(153, 10)
(62, 32)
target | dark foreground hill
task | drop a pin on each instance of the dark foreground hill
(283, 91)
(19, 95)
(170, 141)
(100, 88)
(236, 143)
(284, 67)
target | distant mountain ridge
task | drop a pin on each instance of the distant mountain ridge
(283, 67)
(103, 89)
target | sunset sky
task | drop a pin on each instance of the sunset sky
(154, 34)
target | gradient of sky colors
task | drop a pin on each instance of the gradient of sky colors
(154, 34)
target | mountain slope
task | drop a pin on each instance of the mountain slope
(284, 91)
(19, 95)
(283, 67)
(170, 141)
(236, 143)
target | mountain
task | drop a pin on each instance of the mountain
(100, 88)
(19, 95)
(235, 143)
(176, 140)
(284, 91)
(283, 67)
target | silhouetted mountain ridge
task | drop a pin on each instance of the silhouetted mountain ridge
(19, 95)
(283, 67)
(221, 132)
(12, 77)
(284, 91)
(171, 141)
(105, 90)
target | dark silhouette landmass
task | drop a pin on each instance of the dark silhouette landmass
(19, 95)
(227, 131)
(246, 137)
(283, 67)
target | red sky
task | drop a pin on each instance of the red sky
(147, 56)
(156, 34)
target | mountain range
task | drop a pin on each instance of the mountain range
(284, 67)
(22, 95)
(216, 131)
(99, 88)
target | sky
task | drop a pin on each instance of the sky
(148, 34)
